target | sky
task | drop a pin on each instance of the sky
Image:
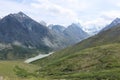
(64, 12)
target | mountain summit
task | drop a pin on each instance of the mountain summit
(21, 28)
(75, 33)
(112, 24)
(72, 34)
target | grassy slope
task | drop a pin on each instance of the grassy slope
(7, 70)
(90, 64)
(17, 52)
(96, 57)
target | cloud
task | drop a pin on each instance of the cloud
(65, 12)
(80, 5)
(114, 2)
(111, 14)
(104, 18)
(52, 11)
(98, 22)
(52, 8)
(7, 7)
(55, 12)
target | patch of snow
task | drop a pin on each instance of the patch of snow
(3, 46)
(47, 42)
(92, 29)
(40, 56)
(30, 28)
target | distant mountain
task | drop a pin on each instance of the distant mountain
(57, 28)
(21, 31)
(92, 29)
(75, 33)
(113, 24)
(72, 34)
(21, 28)
(43, 23)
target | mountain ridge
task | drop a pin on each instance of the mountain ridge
(73, 32)
(20, 30)
(112, 24)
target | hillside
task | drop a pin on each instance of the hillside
(14, 52)
(112, 24)
(95, 58)
(7, 70)
(95, 63)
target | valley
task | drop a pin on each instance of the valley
(23, 41)
(33, 50)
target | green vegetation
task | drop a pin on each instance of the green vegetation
(17, 70)
(97, 63)
(20, 72)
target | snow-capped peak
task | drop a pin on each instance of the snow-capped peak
(116, 21)
(113, 23)
(21, 14)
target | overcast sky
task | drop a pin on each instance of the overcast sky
(65, 12)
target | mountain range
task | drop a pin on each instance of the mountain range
(112, 24)
(73, 32)
(19, 30)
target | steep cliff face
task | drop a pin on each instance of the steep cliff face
(21, 28)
